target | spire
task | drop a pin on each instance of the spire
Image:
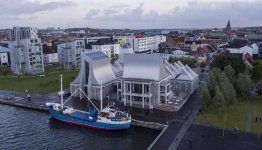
(228, 25)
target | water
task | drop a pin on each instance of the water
(28, 129)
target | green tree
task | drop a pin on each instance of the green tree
(225, 59)
(218, 100)
(244, 84)
(230, 73)
(205, 96)
(212, 83)
(202, 65)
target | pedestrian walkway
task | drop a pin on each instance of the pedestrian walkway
(176, 141)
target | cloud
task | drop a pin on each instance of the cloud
(131, 14)
(20, 7)
(92, 13)
(197, 14)
(110, 12)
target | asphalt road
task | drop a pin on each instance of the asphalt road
(211, 138)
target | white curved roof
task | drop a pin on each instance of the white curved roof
(100, 67)
(144, 66)
(102, 72)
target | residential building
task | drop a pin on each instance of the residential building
(108, 49)
(26, 53)
(20, 33)
(4, 53)
(69, 53)
(175, 53)
(51, 58)
(146, 44)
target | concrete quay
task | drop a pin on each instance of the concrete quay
(37, 102)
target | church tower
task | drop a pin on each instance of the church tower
(228, 28)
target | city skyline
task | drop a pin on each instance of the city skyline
(143, 14)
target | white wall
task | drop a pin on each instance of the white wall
(4, 58)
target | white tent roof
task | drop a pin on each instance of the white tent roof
(144, 66)
(185, 75)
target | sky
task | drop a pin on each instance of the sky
(131, 14)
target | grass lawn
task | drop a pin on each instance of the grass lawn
(241, 115)
(35, 84)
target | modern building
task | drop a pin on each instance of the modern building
(4, 53)
(175, 53)
(51, 58)
(20, 33)
(108, 49)
(139, 80)
(25, 51)
(145, 44)
(69, 53)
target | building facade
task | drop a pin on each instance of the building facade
(26, 52)
(145, 44)
(108, 49)
(138, 80)
(4, 52)
(69, 53)
(51, 58)
(175, 54)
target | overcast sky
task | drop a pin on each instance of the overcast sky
(133, 14)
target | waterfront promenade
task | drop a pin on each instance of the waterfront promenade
(179, 128)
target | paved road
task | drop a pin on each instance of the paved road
(179, 124)
(210, 138)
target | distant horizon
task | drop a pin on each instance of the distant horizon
(210, 28)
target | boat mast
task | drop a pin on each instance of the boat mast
(101, 95)
(61, 92)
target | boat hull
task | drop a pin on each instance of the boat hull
(87, 124)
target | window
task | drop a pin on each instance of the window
(146, 88)
(162, 89)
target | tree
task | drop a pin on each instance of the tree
(259, 88)
(202, 65)
(225, 59)
(244, 83)
(205, 96)
(230, 73)
(114, 57)
(212, 83)
(218, 100)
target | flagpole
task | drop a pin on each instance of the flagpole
(101, 95)
(61, 94)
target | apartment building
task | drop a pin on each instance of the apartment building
(26, 52)
(69, 52)
(145, 44)
(108, 49)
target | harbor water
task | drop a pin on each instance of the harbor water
(27, 129)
